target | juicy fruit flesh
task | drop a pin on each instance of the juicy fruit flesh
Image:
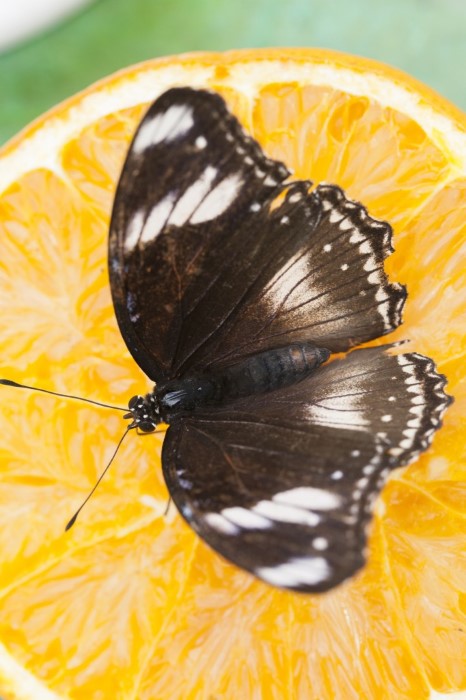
(131, 604)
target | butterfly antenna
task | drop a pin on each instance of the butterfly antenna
(9, 382)
(75, 516)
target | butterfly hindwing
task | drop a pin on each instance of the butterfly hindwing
(327, 285)
(283, 484)
(213, 258)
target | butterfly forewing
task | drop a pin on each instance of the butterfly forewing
(283, 484)
(192, 176)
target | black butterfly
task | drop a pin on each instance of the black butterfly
(231, 287)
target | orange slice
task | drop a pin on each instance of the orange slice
(130, 604)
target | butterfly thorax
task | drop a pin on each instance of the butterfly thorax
(257, 374)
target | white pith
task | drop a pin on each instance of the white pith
(41, 149)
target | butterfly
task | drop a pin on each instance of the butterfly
(233, 286)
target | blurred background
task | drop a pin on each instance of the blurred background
(49, 49)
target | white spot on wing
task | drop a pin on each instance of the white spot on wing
(290, 285)
(368, 469)
(369, 266)
(334, 216)
(418, 410)
(168, 126)
(218, 200)
(286, 514)
(308, 497)
(157, 218)
(345, 225)
(350, 418)
(134, 230)
(296, 572)
(200, 142)
(357, 237)
(191, 199)
(245, 518)
(221, 524)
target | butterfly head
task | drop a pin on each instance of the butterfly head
(144, 412)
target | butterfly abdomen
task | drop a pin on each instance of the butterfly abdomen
(270, 370)
(256, 374)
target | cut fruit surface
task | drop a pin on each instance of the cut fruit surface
(131, 604)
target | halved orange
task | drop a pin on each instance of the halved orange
(131, 604)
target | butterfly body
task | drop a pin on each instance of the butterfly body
(257, 374)
(228, 281)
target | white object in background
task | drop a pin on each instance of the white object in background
(21, 19)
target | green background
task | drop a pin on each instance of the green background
(426, 38)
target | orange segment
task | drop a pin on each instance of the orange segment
(282, 645)
(379, 155)
(436, 312)
(424, 537)
(240, 639)
(359, 623)
(46, 477)
(93, 160)
(438, 303)
(130, 604)
(91, 648)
